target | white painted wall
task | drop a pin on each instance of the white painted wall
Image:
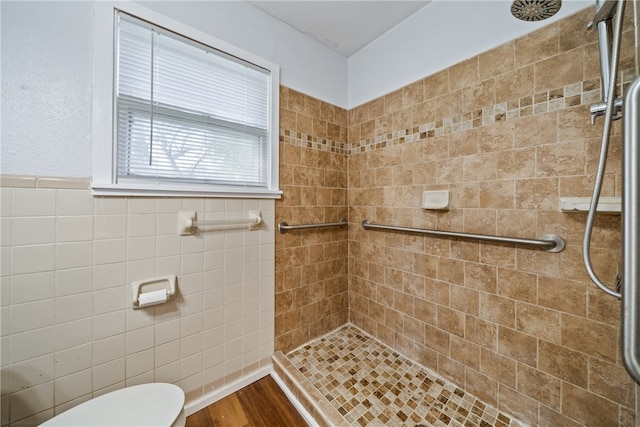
(47, 51)
(441, 34)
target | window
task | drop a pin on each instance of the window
(187, 117)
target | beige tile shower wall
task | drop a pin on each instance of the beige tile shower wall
(311, 265)
(68, 330)
(508, 133)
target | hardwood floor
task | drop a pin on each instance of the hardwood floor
(261, 404)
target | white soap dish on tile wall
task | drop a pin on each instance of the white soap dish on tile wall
(437, 200)
(607, 205)
(154, 291)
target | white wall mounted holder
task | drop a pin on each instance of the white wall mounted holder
(157, 290)
(188, 222)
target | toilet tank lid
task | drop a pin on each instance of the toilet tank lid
(153, 404)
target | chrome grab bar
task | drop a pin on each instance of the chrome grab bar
(630, 222)
(283, 227)
(548, 242)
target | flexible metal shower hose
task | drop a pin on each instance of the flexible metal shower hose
(604, 148)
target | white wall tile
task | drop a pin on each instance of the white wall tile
(213, 298)
(192, 386)
(232, 275)
(233, 294)
(111, 299)
(31, 344)
(232, 369)
(5, 261)
(213, 337)
(167, 353)
(139, 339)
(233, 257)
(214, 318)
(109, 324)
(191, 304)
(192, 204)
(34, 202)
(192, 244)
(169, 373)
(167, 331)
(74, 255)
(32, 259)
(191, 344)
(233, 239)
(31, 401)
(108, 373)
(213, 241)
(5, 321)
(110, 227)
(167, 245)
(141, 205)
(33, 230)
(109, 251)
(169, 205)
(191, 365)
(73, 334)
(140, 270)
(167, 224)
(73, 360)
(73, 307)
(167, 266)
(109, 275)
(214, 260)
(58, 409)
(192, 263)
(141, 248)
(143, 378)
(215, 357)
(141, 225)
(5, 291)
(191, 324)
(29, 373)
(6, 224)
(140, 318)
(5, 351)
(74, 202)
(139, 363)
(192, 283)
(31, 315)
(109, 205)
(108, 349)
(32, 287)
(214, 205)
(74, 228)
(73, 386)
(73, 281)
(6, 202)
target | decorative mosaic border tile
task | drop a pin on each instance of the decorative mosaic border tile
(370, 384)
(580, 93)
(299, 139)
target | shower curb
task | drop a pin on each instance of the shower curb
(322, 411)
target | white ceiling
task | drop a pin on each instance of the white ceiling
(344, 26)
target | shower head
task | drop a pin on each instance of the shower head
(535, 10)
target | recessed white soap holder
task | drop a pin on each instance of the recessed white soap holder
(157, 290)
(436, 199)
(607, 205)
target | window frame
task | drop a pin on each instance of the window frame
(104, 126)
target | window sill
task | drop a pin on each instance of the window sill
(124, 190)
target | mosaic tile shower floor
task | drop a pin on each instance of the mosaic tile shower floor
(370, 385)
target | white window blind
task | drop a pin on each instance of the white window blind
(187, 113)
